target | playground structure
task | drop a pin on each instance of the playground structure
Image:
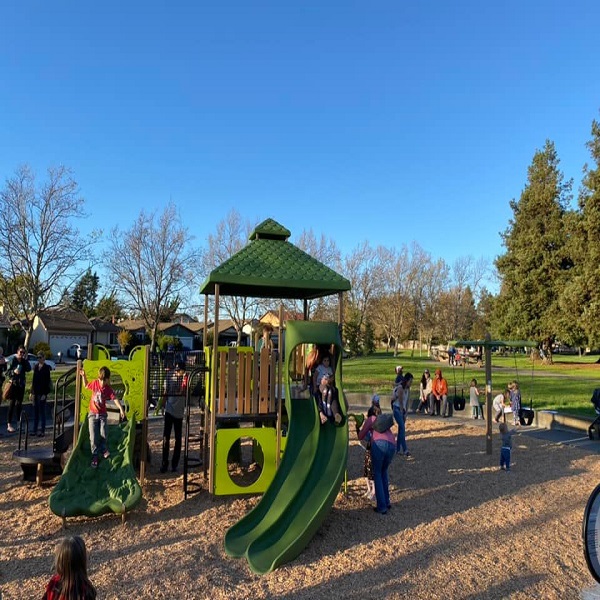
(252, 402)
(250, 396)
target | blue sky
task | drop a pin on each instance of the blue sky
(385, 121)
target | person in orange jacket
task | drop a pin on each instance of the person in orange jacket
(439, 396)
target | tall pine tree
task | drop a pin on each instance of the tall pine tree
(85, 293)
(580, 302)
(536, 257)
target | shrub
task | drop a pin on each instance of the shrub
(44, 348)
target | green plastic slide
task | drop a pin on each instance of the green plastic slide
(307, 481)
(111, 487)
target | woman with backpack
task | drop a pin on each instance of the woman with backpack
(383, 448)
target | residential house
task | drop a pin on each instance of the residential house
(60, 327)
(4, 327)
(105, 333)
(187, 333)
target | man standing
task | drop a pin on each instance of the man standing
(17, 371)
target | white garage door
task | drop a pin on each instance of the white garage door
(61, 343)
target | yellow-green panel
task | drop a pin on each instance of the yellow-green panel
(224, 440)
(132, 374)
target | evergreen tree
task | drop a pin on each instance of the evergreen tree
(109, 307)
(85, 293)
(580, 302)
(536, 261)
(369, 338)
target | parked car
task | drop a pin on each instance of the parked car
(32, 358)
(77, 351)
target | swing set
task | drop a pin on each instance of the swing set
(526, 415)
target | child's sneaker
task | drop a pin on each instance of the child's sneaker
(106, 453)
(94, 462)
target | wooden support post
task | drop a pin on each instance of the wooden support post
(213, 397)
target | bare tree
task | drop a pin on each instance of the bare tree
(363, 268)
(231, 236)
(325, 250)
(152, 265)
(40, 246)
(436, 281)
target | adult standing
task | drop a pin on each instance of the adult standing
(399, 409)
(383, 447)
(425, 392)
(498, 406)
(17, 372)
(175, 386)
(40, 388)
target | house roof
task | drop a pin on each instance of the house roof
(132, 324)
(139, 324)
(166, 326)
(271, 267)
(103, 325)
(288, 315)
(65, 318)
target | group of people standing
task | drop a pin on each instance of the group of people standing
(13, 378)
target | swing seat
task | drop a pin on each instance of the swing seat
(526, 416)
(594, 428)
(459, 401)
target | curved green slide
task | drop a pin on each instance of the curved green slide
(309, 476)
(111, 487)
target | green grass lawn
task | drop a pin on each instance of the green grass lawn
(566, 386)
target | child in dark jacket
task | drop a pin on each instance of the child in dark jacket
(506, 448)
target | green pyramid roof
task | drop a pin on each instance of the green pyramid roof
(271, 267)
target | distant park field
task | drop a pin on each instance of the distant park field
(565, 386)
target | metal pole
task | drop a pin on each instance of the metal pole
(488, 391)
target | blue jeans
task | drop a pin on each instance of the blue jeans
(39, 412)
(382, 453)
(97, 427)
(401, 438)
(505, 457)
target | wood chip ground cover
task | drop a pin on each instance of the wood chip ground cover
(459, 528)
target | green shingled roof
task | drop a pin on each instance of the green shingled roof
(271, 267)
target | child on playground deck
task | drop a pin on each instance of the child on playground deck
(323, 368)
(97, 417)
(175, 391)
(71, 580)
(328, 401)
